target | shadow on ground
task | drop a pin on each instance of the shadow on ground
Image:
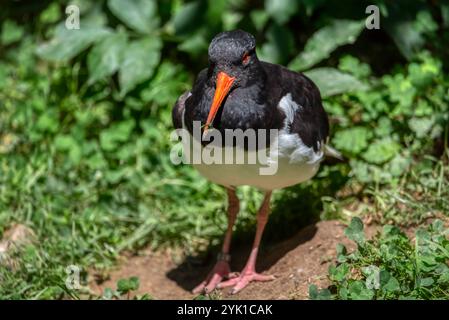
(293, 209)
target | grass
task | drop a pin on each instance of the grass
(390, 266)
(86, 203)
(85, 165)
(393, 264)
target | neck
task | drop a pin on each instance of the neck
(257, 80)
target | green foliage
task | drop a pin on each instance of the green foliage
(281, 10)
(382, 128)
(141, 59)
(332, 82)
(139, 15)
(127, 285)
(125, 288)
(105, 58)
(68, 43)
(11, 32)
(421, 193)
(390, 266)
(326, 40)
(355, 230)
(85, 118)
(352, 140)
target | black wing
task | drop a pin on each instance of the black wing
(310, 122)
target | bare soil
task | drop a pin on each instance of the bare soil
(297, 262)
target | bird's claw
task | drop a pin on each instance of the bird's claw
(220, 271)
(243, 280)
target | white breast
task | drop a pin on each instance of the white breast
(295, 161)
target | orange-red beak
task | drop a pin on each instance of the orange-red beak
(222, 87)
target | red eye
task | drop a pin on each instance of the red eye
(245, 58)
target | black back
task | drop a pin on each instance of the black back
(253, 102)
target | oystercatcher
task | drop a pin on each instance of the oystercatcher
(238, 91)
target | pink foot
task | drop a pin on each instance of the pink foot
(243, 280)
(219, 272)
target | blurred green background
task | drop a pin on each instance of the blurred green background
(85, 118)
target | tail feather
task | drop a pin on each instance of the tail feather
(331, 152)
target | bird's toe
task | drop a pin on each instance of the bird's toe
(220, 271)
(243, 280)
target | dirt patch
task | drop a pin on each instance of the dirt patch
(13, 239)
(297, 262)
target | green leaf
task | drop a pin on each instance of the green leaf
(140, 15)
(339, 273)
(355, 230)
(426, 282)
(64, 142)
(187, 19)
(279, 45)
(11, 32)
(107, 294)
(391, 285)
(445, 14)
(425, 22)
(68, 144)
(353, 66)
(139, 62)
(423, 74)
(93, 14)
(407, 38)
(438, 225)
(127, 285)
(111, 138)
(194, 45)
(341, 253)
(216, 9)
(326, 40)
(231, 19)
(105, 57)
(51, 14)
(259, 18)
(421, 126)
(166, 85)
(383, 127)
(115, 176)
(401, 90)
(398, 165)
(353, 139)
(358, 291)
(444, 278)
(281, 10)
(316, 294)
(330, 81)
(68, 43)
(381, 151)
(96, 161)
(48, 122)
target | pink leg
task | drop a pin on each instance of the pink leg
(249, 272)
(221, 269)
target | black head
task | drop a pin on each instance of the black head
(234, 53)
(232, 63)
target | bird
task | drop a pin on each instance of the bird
(237, 91)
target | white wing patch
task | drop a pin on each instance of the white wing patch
(290, 145)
